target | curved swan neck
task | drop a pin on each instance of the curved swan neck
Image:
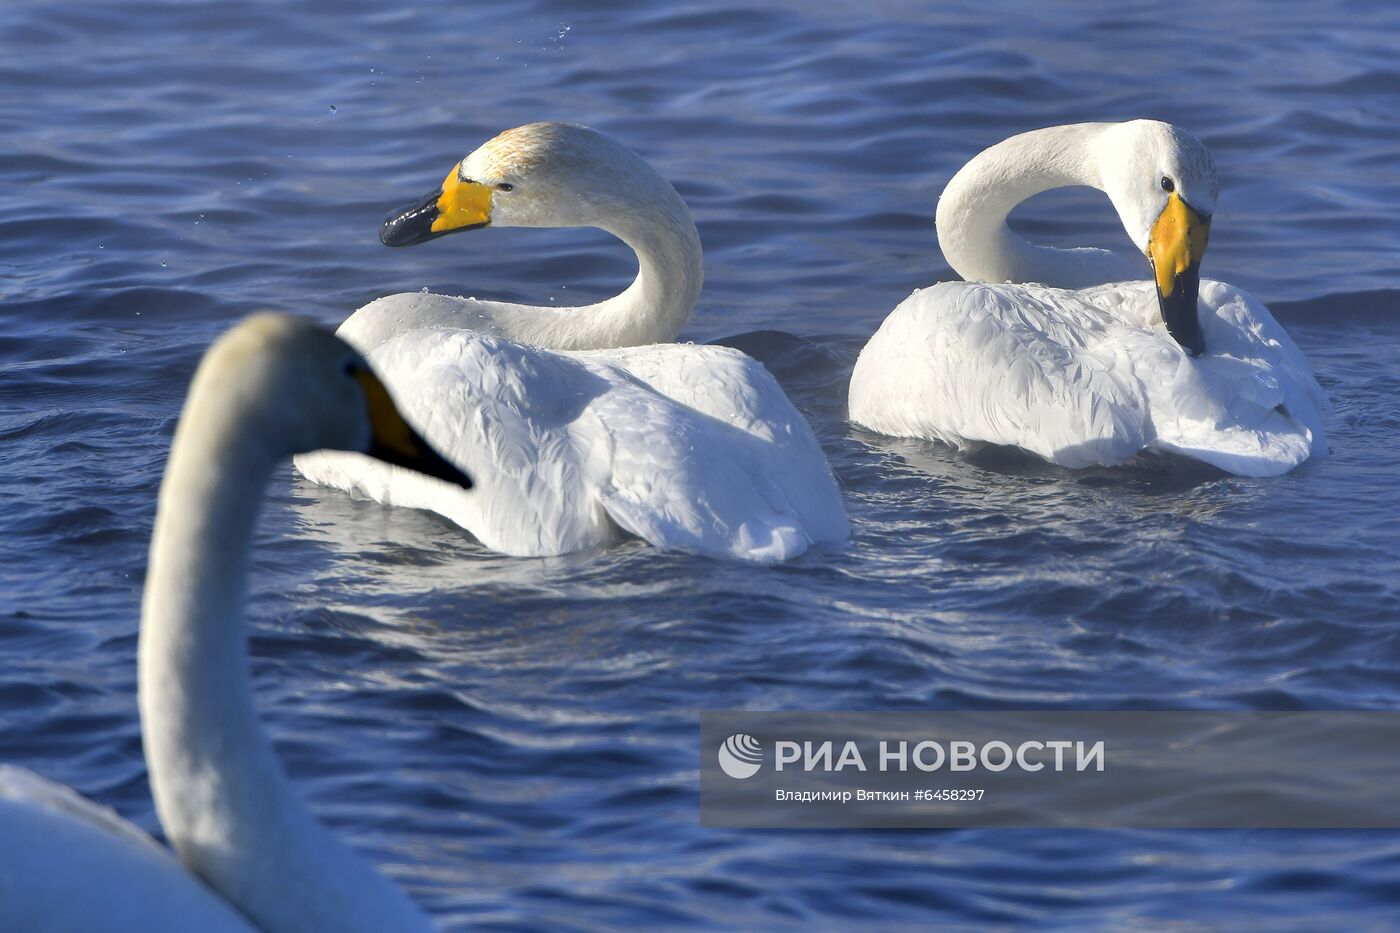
(219, 788)
(653, 309)
(972, 211)
(670, 271)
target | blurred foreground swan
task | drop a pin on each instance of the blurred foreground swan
(583, 422)
(251, 850)
(1088, 366)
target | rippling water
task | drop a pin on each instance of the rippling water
(515, 739)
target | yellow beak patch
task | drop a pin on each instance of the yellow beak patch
(386, 424)
(462, 204)
(1177, 242)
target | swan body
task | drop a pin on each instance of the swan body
(67, 864)
(586, 423)
(1061, 352)
(250, 853)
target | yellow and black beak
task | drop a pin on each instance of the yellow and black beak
(457, 205)
(393, 441)
(1175, 247)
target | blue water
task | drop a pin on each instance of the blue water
(516, 739)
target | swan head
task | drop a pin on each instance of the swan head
(305, 389)
(1164, 186)
(536, 175)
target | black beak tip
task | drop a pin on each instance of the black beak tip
(459, 477)
(427, 461)
(391, 232)
(431, 464)
(410, 225)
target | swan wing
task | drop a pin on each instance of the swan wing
(713, 457)
(1250, 405)
(1091, 377)
(571, 448)
(1242, 327)
(1020, 365)
(67, 864)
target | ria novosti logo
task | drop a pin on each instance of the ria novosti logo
(740, 755)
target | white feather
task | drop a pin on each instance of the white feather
(1080, 372)
(1090, 377)
(67, 864)
(579, 423)
(688, 447)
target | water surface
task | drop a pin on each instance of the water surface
(515, 739)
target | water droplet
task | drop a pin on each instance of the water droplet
(333, 110)
(100, 246)
(198, 219)
(423, 290)
(163, 264)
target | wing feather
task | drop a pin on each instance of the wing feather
(1015, 365)
(688, 447)
(1091, 377)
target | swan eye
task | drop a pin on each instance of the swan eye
(505, 186)
(1167, 184)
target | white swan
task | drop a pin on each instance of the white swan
(578, 428)
(1076, 369)
(271, 387)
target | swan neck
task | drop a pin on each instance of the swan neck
(657, 304)
(210, 764)
(655, 307)
(972, 211)
(220, 791)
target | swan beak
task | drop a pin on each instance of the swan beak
(1175, 247)
(457, 205)
(393, 441)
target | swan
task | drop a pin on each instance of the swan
(1070, 354)
(585, 422)
(251, 855)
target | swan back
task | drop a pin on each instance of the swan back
(68, 864)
